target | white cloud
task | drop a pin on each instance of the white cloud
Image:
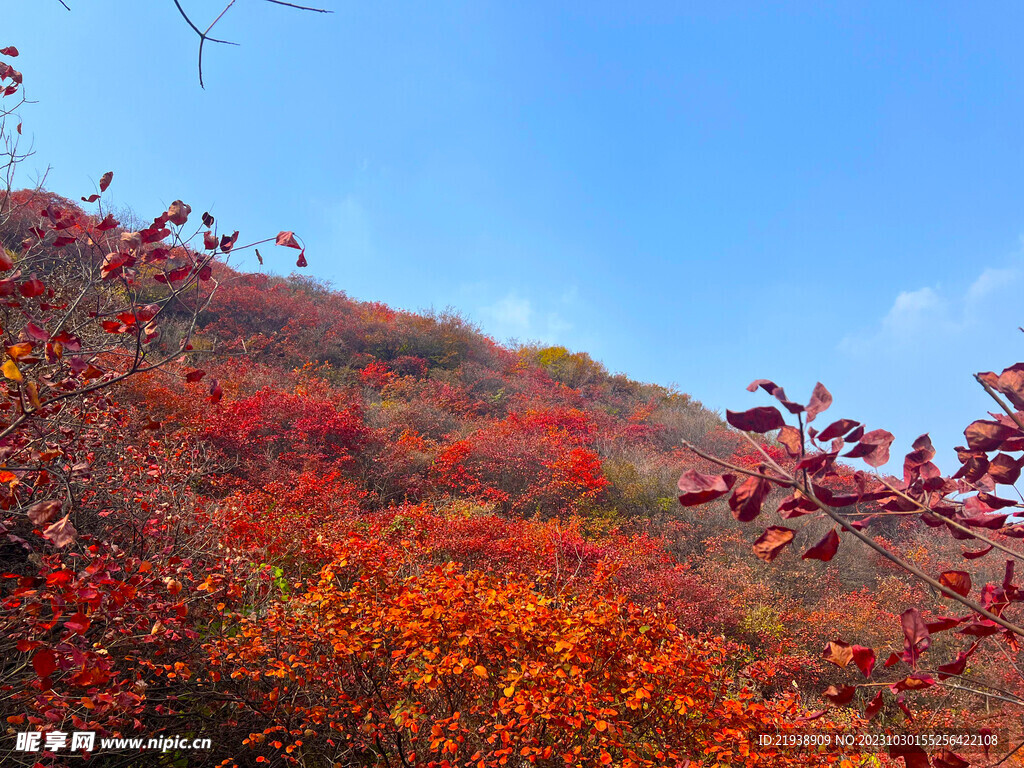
(989, 282)
(931, 317)
(515, 317)
(511, 313)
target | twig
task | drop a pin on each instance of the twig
(299, 7)
(911, 568)
(956, 687)
(1015, 749)
(788, 481)
(204, 36)
(991, 393)
(953, 523)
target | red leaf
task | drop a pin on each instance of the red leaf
(193, 376)
(958, 665)
(770, 543)
(301, 261)
(916, 635)
(1010, 382)
(991, 522)
(975, 554)
(983, 628)
(113, 263)
(62, 533)
(915, 682)
(958, 581)
(147, 312)
(838, 652)
(874, 706)
(43, 512)
(10, 50)
(985, 435)
(873, 447)
(762, 419)
(698, 488)
(825, 549)
(790, 439)
(821, 399)
(175, 274)
(44, 662)
(33, 331)
(105, 180)
(837, 429)
(864, 658)
(109, 222)
(32, 287)
(841, 695)
(90, 199)
(949, 759)
(994, 502)
(215, 392)
(913, 756)
(79, 623)
(943, 623)
(923, 451)
(746, 500)
(287, 239)
(809, 717)
(210, 241)
(816, 463)
(227, 242)
(178, 212)
(796, 505)
(154, 234)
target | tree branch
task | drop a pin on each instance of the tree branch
(204, 36)
(299, 7)
(863, 538)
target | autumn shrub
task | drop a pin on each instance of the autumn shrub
(449, 667)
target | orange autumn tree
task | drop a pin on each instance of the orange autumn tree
(376, 663)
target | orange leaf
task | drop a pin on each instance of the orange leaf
(18, 351)
(10, 371)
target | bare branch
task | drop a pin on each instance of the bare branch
(785, 480)
(204, 36)
(1002, 404)
(299, 7)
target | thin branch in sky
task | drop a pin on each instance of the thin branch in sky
(204, 36)
(300, 7)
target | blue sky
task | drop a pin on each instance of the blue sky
(694, 193)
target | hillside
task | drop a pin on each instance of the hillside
(331, 533)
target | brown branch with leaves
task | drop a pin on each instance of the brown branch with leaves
(965, 505)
